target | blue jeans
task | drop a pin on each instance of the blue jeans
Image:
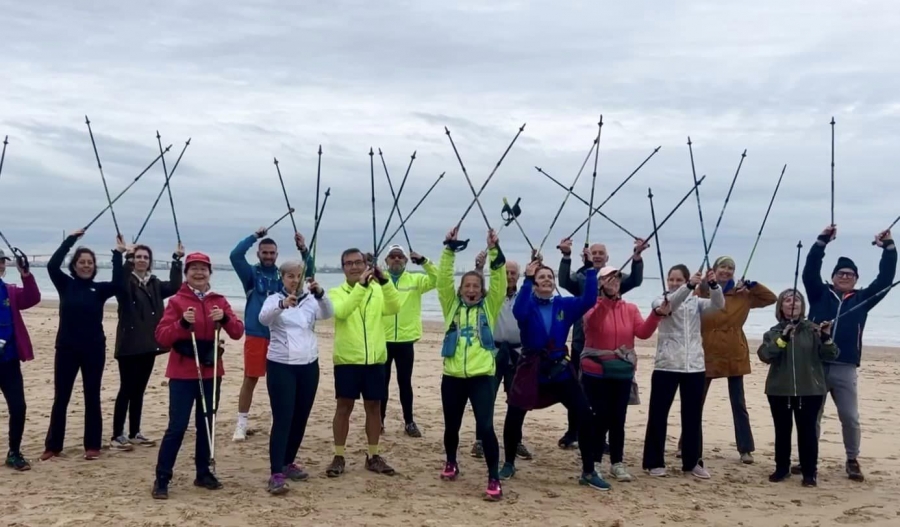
(183, 393)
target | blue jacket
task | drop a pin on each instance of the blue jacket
(258, 282)
(565, 311)
(825, 303)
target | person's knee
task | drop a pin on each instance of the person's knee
(372, 407)
(343, 409)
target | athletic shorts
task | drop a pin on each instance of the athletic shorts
(353, 380)
(255, 351)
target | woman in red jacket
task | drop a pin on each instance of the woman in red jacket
(188, 327)
(608, 362)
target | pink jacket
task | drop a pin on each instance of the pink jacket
(611, 324)
(21, 298)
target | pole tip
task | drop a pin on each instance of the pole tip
(379, 151)
(832, 120)
(442, 175)
(446, 130)
(414, 154)
(328, 191)
(167, 148)
(86, 120)
(371, 151)
(649, 193)
(657, 149)
(157, 135)
(276, 160)
(522, 128)
(745, 153)
(689, 140)
(320, 149)
(601, 120)
(188, 141)
(6, 140)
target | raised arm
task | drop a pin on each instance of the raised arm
(812, 269)
(887, 270)
(760, 295)
(635, 279)
(589, 293)
(715, 302)
(239, 261)
(325, 309)
(54, 266)
(271, 310)
(524, 299)
(571, 282)
(346, 305)
(644, 328)
(109, 289)
(427, 281)
(497, 286)
(176, 274)
(596, 314)
(29, 295)
(446, 289)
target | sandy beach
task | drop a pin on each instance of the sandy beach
(115, 490)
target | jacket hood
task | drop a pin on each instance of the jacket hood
(778, 303)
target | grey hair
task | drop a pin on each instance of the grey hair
(292, 265)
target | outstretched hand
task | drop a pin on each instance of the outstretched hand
(492, 239)
(882, 236)
(121, 246)
(565, 246)
(260, 232)
(829, 233)
(532, 268)
(480, 260)
(300, 242)
(451, 235)
(77, 233)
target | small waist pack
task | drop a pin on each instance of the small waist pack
(205, 350)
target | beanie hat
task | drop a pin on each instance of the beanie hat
(845, 263)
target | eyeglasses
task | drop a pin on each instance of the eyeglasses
(355, 263)
(845, 274)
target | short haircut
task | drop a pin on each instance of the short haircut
(268, 241)
(292, 265)
(142, 247)
(348, 252)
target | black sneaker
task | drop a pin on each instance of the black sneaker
(207, 481)
(779, 475)
(797, 469)
(160, 489)
(853, 470)
(17, 461)
(568, 441)
(477, 450)
(523, 452)
(412, 430)
(809, 482)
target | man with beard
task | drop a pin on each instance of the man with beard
(259, 281)
(596, 257)
(403, 329)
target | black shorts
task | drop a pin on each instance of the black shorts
(353, 380)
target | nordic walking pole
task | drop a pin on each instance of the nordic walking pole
(722, 212)
(663, 222)
(105, 187)
(396, 197)
(21, 258)
(461, 245)
(159, 196)
(283, 216)
(763, 226)
(487, 222)
(889, 228)
(699, 208)
(832, 170)
(284, 191)
(797, 266)
(169, 188)
(316, 226)
(587, 238)
(215, 399)
(316, 212)
(372, 179)
(866, 301)
(139, 176)
(414, 209)
(206, 416)
(611, 194)
(515, 219)
(3, 155)
(569, 193)
(662, 274)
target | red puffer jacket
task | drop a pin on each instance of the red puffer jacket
(172, 332)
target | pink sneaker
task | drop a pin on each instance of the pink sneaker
(450, 472)
(494, 492)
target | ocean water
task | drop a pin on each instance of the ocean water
(880, 328)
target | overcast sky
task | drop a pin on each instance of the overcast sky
(247, 81)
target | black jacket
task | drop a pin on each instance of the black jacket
(141, 308)
(81, 303)
(825, 302)
(574, 282)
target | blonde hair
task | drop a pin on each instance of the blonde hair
(293, 266)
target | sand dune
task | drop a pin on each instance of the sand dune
(116, 489)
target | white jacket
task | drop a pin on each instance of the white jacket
(292, 331)
(679, 347)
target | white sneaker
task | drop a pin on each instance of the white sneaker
(700, 472)
(240, 432)
(620, 473)
(121, 443)
(659, 472)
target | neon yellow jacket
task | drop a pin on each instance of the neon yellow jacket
(406, 326)
(470, 359)
(358, 326)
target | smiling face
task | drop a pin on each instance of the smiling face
(84, 264)
(354, 264)
(599, 256)
(844, 280)
(610, 284)
(724, 272)
(267, 254)
(675, 279)
(141, 260)
(512, 274)
(197, 275)
(396, 261)
(544, 282)
(471, 288)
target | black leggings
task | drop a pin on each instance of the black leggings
(66, 366)
(403, 354)
(479, 391)
(13, 388)
(609, 399)
(663, 386)
(805, 410)
(569, 393)
(292, 391)
(134, 374)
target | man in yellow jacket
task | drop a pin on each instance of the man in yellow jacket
(360, 303)
(404, 329)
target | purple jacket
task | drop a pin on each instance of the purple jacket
(21, 298)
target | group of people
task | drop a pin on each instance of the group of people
(494, 333)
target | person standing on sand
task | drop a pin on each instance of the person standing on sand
(596, 257)
(80, 340)
(608, 364)
(259, 281)
(725, 348)
(404, 329)
(680, 367)
(15, 348)
(828, 301)
(360, 305)
(509, 344)
(189, 327)
(292, 367)
(545, 375)
(470, 314)
(140, 306)
(795, 350)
